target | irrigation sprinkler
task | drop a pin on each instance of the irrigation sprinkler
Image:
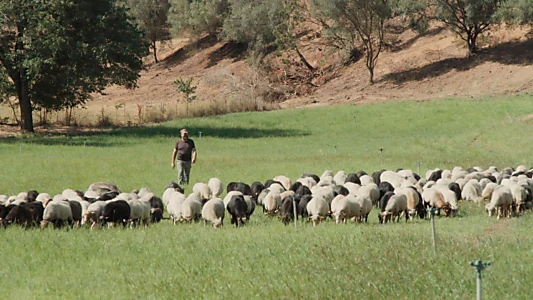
(200, 133)
(432, 212)
(480, 266)
(335, 150)
(418, 164)
(381, 156)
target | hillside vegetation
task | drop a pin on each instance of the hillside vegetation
(288, 61)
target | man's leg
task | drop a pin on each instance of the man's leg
(187, 171)
(181, 172)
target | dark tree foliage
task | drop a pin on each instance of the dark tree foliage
(57, 53)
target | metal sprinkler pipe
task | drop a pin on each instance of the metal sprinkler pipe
(480, 266)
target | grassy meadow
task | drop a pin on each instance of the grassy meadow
(267, 260)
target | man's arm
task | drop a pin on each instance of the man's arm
(193, 155)
(174, 153)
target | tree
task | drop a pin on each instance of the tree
(516, 11)
(186, 87)
(57, 53)
(254, 23)
(197, 16)
(151, 17)
(349, 21)
(468, 18)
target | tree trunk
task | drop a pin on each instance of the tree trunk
(155, 52)
(26, 118)
(472, 48)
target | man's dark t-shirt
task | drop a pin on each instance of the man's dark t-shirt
(185, 149)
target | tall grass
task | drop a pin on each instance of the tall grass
(267, 259)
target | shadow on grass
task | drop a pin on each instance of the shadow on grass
(133, 135)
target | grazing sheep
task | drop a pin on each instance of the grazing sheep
(214, 211)
(366, 207)
(191, 208)
(237, 208)
(353, 178)
(301, 209)
(486, 194)
(284, 180)
(276, 188)
(116, 211)
(257, 188)
(215, 186)
(344, 208)
(308, 181)
(139, 211)
(432, 197)
(250, 204)
(271, 203)
(317, 209)
(202, 189)
(93, 213)
(99, 188)
(324, 192)
(352, 187)
(174, 206)
(471, 191)
(57, 213)
(366, 180)
(395, 208)
(501, 201)
(340, 178)
(370, 190)
(287, 210)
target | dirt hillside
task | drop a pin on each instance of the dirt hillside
(429, 66)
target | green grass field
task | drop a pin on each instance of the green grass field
(267, 259)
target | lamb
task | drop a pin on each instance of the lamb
(501, 200)
(215, 186)
(214, 211)
(317, 209)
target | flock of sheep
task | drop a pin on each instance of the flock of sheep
(341, 196)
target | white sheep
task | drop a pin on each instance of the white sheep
(352, 187)
(501, 200)
(175, 200)
(277, 188)
(340, 178)
(191, 208)
(366, 180)
(216, 187)
(271, 203)
(317, 209)
(214, 211)
(324, 192)
(370, 190)
(396, 207)
(202, 189)
(471, 190)
(285, 181)
(344, 208)
(56, 212)
(307, 181)
(366, 206)
(486, 194)
(93, 212)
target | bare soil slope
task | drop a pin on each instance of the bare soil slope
(429, 66)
